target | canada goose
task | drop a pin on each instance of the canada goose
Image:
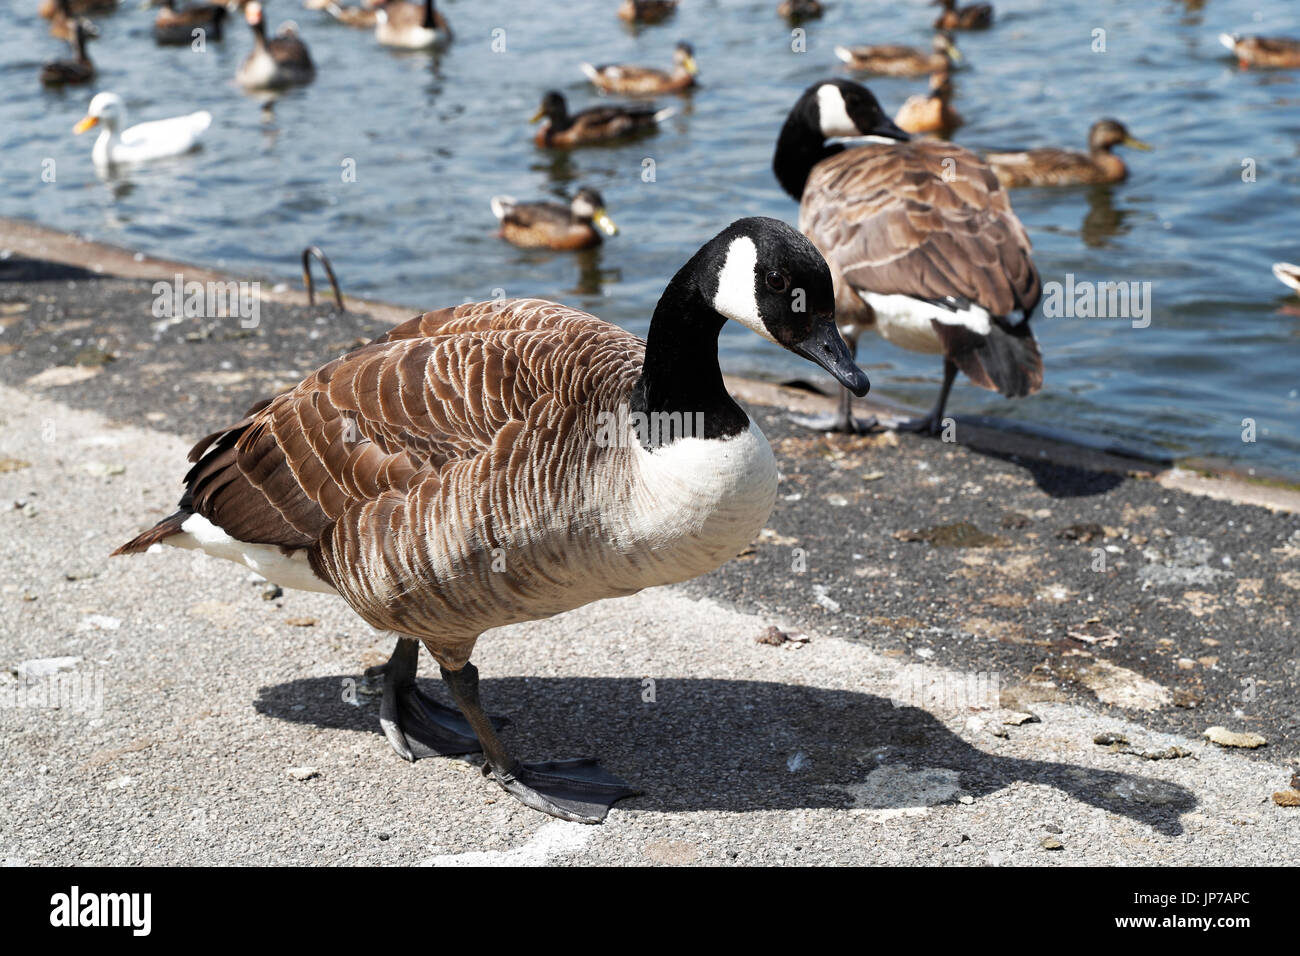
(646, 11)
(276, 63)
(921, 241)
(63, 24)
(595, 125)
(1062, 167)
(1276, 52)
(644, 80)
(577, 225)
(1287, 274)
(977, 16)
(121, 145)
(364, 16)
(172, 26)
(932, 113)
(77, 70)
(506, 461)
(893, 59)
(796, 11)
(49, 9)
(411, 26)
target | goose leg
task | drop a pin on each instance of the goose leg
(414, 723)
(932, 422)
(579, 789)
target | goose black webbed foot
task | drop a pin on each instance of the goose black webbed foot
(415, 724)
(579, 789)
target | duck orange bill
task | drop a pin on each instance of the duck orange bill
(85, 124)
(825, 346)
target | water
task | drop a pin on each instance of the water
(434, 138)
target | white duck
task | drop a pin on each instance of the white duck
(120, 145)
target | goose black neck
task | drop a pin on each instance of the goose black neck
(798, 149)
(428, 14)
(680, 378)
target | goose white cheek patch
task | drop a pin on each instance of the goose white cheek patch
(833, 114)
(735, 297)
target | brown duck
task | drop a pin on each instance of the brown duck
(643, 80)
(977, 16)
(1046, 166)
(551, 225)
(599, 124)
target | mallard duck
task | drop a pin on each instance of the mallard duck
(120, 145)
(49, 9)
(364, 16)
(646, 11)
(932, 113)
(893, 59)
(172, 26)
(1062, 167)
(977, 16)
(595, 125)
(410, 26)
(644, 80)
(506, 461)
(1274, 52)
(552, 225)
(797, 11)
(921, 241)
(77, 70)
(1287, 274)
(276, 63)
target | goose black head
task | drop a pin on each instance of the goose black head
(830, 109)
(768, 277)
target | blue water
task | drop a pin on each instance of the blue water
(433, 138)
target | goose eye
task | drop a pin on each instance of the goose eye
(777, 282)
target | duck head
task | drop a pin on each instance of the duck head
(588, 204)
(1110, 132)
(554, 108)
(829, 110)
(684, 58)
(107, 110)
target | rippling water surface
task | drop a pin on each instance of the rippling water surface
(433, 138)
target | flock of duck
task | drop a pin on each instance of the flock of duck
(461, 472)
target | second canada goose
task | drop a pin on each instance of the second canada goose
(921, 241)
(1046, 166)
(274, 64)
(79, 69)
(597, 124)
(894, 59)
(410, 26)
(644, 80)
(977, 16)
(646, 11)
(932, 113)
(1274, 52)
(507, 461)
(173, 26)
(551, 225)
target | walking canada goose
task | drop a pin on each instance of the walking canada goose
(921, 241)
(507, 461)
(172, 26)
(644, 80)
(276, 63)
(894, 59)
(364, 16)
(1063, 167)
(410, 26)
(646, 11)
(932, 113)
(1287, 274)
(120, 145)
(595, 125)
(77, 70)
(977, 16)
(577, 225)
(49, 9)
(1276, 52)
(796, 11)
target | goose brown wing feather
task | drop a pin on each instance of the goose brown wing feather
(927, 220)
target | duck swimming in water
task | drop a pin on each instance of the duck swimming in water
(1046, 166)
(551, 225)
(597, 124)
